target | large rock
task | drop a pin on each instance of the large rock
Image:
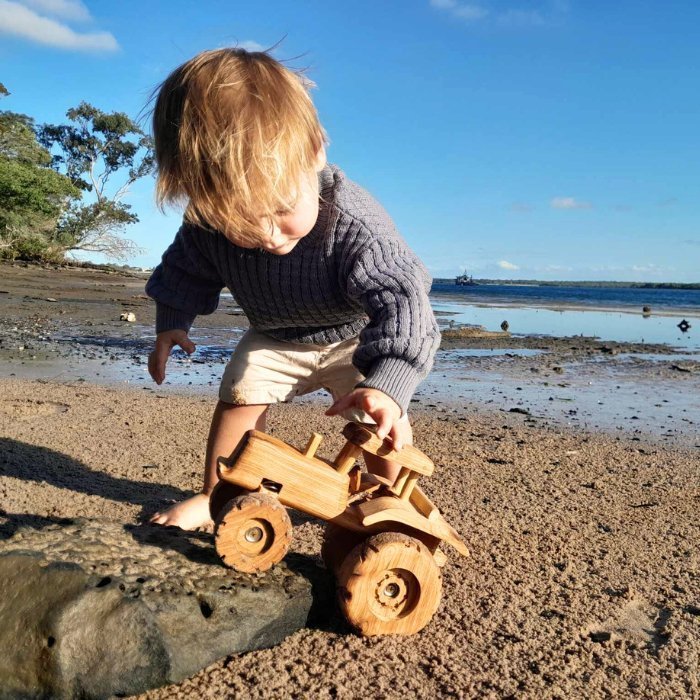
(95, 608)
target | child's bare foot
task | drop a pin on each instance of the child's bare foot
(189, 514)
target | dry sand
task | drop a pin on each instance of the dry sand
(584, 578)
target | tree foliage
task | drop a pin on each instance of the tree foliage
(33, 196)
(91, 151)
(58, 189)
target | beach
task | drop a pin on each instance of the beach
(583, 578)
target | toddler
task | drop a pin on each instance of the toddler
(334, 296)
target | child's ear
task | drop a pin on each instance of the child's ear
(321, 160)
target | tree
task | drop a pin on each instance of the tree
(33, 196)
(90, 152)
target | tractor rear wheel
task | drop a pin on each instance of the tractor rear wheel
(389, 584)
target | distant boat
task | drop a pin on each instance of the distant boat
(465, 280)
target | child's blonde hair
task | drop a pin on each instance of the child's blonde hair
(235, 131)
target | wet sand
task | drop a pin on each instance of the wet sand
(584, 574)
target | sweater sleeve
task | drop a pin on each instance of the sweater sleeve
(186, 283)
(398, 344)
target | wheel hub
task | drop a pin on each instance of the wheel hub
(253, 534)
(392, 591)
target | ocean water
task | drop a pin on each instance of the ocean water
(605, 312)
(612, 314)
(630, 298)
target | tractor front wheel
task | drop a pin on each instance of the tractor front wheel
(253, 532)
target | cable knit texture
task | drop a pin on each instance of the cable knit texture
(352, 274)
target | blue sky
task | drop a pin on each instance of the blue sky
(550, 139)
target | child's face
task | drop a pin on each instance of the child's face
(288, 227)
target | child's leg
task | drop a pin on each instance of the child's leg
(229, 424)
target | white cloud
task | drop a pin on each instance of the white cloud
(66, 9)
(569, 203)
(505, 265)
(554, 268)
(650, 268)
(522, 18)
(469, 13)
(18, 20)
(547, 12)
(250, 45)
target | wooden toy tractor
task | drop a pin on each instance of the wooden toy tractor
(381, 541)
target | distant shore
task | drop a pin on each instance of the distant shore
(576, 283)
(563, 306)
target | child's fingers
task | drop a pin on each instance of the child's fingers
(368, 404)
(401, 434)
(395, 435)
(157, 360)
(187, 345)
(340, 405)
(153, 369)
(383, 421)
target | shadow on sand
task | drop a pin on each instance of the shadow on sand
(31, 463)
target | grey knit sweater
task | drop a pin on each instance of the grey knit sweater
(352, 274)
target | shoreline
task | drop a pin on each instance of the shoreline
(65, 324)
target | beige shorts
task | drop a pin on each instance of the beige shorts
(263, 370)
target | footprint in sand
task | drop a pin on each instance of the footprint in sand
(637, 621)
(26, 409)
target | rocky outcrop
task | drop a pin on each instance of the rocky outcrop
(94, 608)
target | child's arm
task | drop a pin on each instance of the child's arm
(398, 344)
(184, 285)
(187, 282)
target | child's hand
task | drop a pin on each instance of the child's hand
(385, 412)
(165, 342)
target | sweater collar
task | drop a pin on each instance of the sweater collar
(326, 183)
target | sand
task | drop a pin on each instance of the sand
(584, 574)
(583, 580)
